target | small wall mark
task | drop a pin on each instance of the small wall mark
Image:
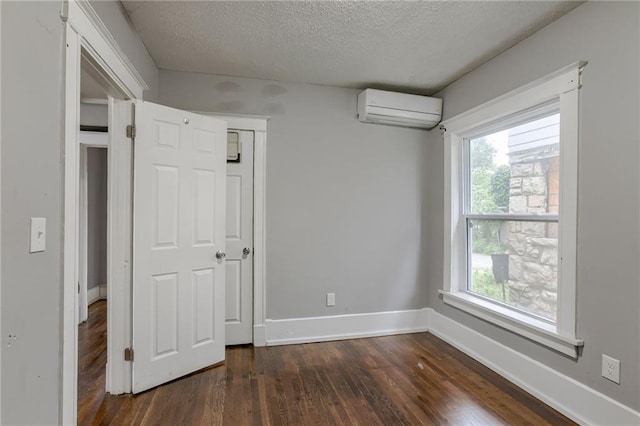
(274, 108)
(230, 106)
(228, 86)
(273, 90)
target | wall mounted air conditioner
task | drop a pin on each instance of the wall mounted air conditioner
(399, 109)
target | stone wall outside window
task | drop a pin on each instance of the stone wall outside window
(533, 246)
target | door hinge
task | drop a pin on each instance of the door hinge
(128, 354)
(131, 131)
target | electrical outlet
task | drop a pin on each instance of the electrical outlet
(331, 299)
(611, 369)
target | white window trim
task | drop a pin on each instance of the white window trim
(562, 86)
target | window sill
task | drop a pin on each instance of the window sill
(531, 328)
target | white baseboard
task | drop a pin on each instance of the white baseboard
(96, 293)
(93, 295)
(574, 399)
(259, 335)
(340, 327)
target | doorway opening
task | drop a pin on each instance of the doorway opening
(90, 48)
(93, 224)
(92, 237)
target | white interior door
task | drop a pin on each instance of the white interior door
(239, 263)
(179, 226)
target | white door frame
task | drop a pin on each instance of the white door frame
(257, 124)
(0, 201)
(86, 38)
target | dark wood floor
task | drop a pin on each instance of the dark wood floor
(406, 379)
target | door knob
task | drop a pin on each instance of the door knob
(246, 251)
(220, 254)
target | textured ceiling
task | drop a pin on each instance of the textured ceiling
(413, 46)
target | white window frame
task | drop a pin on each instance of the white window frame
(562, 87)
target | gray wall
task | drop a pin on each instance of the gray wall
(608, 36)
(117, 21)
(97, 217)
(345, 204)
(32, 176)
(32, 87)
(94, 115)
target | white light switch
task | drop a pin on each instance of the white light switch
(38, 234)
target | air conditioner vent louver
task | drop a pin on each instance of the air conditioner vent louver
(399, 109)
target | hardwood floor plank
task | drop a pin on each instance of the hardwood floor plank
(406, 379)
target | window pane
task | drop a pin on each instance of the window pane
(516, 263)
(516, 170)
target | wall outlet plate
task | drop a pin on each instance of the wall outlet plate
(331, 299)
(611, 368)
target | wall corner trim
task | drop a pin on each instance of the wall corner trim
(570, 397)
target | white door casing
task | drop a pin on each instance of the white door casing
(239, 234)
(84, 30)
(119, 247)
(179, 225)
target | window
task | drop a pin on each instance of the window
(511, 200)
(511, 214)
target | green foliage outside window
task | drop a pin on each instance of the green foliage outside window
(500, 185)
(489, 194)
(485, 284)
